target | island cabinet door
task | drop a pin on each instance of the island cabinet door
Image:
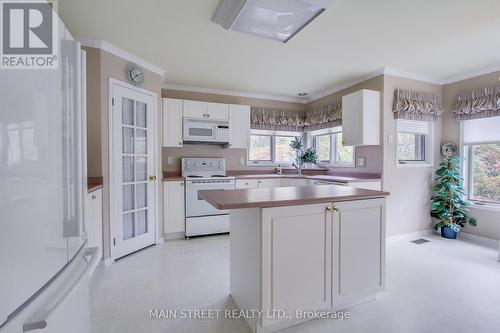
(358, 251)
(296, 259)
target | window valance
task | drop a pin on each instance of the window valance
(484, 103)
(325, 116)
(319, 117)
(276, 119)
(416, 105)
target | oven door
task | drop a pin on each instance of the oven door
(197, 207)
(199, 130)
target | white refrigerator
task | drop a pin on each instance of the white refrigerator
(45, 264)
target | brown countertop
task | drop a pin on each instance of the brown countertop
(94, 183)
(285, 196)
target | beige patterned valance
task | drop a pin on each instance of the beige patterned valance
(276, 120)
(484, 103)
(319, 117)
(416, 105)
(325, 116)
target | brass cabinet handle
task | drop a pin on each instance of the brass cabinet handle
(151, 178)
(331, 209)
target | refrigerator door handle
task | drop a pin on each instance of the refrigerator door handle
(41, 319)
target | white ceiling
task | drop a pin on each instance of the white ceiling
(438, 39)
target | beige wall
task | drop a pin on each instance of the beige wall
(101, 66)
(488, 220)
(218, 98)
(408, 205)
(373, 154)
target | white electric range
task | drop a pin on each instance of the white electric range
(205, 174)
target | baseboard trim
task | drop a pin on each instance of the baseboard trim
(488, 242)
(409, 236)
(108, 262)
(174, 235)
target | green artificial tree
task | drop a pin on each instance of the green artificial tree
(448, 204)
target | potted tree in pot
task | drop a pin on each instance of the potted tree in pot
(448, 204)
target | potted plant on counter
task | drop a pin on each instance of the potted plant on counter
(448, 204)
(309, 157)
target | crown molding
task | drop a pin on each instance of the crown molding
(236, 93)
(110, 48)
(411, 76)
(469, 75)
(341, 86)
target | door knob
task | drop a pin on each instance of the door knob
(151, 178)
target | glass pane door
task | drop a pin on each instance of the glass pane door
(134, 168)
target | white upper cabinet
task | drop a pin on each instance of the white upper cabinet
(194, 109)
(204, 110)
(172, 122)
(361, 118)
(217, 111)
(239, 126)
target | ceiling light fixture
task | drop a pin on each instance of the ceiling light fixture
(278, 19)
(302, 94)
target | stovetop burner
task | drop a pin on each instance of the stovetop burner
(193, 176)
(218, 176)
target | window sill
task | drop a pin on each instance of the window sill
(337, 165)
(267, 164)
(487, 207)
(414, 165)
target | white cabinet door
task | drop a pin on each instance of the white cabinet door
(294, 182)
(172, 122)
(361, 118)
(296, 258)
(173, 207)
(195, 109)
(247, 183)
(239, 126)
(93, 219)
(217, 111)
(359, 249)
(375, 185)
(269, 182)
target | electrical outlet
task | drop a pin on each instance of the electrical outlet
(170, 160)
(390, 138)
(242, 160)
(361, 163)
(400, 208)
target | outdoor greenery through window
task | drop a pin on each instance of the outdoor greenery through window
(481, 159)
(330, 149)
(271, 147)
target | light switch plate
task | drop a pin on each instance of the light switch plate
(361, 162)
(242, 160)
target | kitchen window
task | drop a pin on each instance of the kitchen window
(414, 142)
(270, 148)
(481, 159)
(331, 151)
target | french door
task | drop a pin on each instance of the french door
(133, 170)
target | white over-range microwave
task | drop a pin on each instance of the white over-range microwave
(205, 131)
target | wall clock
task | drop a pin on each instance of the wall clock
(135, 75)
(448, 150)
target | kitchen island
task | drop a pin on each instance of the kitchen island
(298, 250)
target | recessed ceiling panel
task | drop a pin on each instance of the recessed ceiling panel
(278, 19)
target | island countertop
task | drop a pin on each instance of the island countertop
(285, 196)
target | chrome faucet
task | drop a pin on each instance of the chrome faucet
(298, 167)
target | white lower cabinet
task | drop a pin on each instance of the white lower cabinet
(269, 182)
(174, 208)
(296, 255)
(326, 257)
(247, 183)
(93, 219)
(359, 250)
(294, 182)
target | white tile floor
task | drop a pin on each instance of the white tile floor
(441, 286)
